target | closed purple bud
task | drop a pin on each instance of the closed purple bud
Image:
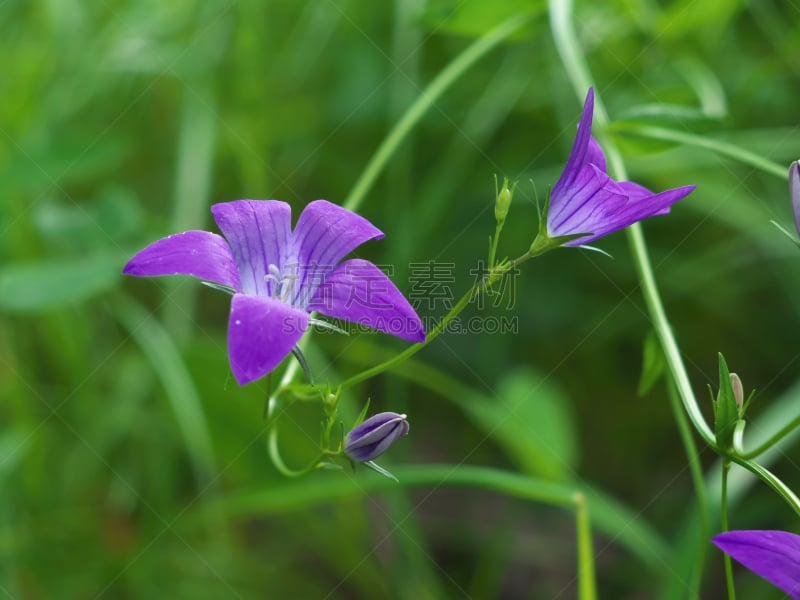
(794, 191)
(373, 437)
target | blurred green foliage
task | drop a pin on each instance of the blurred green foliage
(120, 426)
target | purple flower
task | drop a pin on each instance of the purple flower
(278, 276)
(586, 200)
(774, 555)
(794, 191)
(373, 437)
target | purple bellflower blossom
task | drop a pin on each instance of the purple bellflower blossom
(278, 275)
(774, 555)
(373, 437)
(794, 192)
(585, 200)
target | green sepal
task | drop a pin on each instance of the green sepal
(219, 287)
(323, 324)
(726, 411)
(362, 415)
(783, 230)
(379, 469)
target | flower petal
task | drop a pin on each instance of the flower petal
(575, 209)
(258, 232)
(360, 292)
(774, 555)
(595, 155)
(580, 149)
(198, 254)
(599, 205)
(261, 332)
(325, 233)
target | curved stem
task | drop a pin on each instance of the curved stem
(578, 71)
(587, 586)
(477, 289)
(770, 479)
(425, 100)
(619, 523)
(724, 497)
(579, 74)
(722, 148)
(786, 430)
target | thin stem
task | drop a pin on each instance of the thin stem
(575, 65)
(426, 99)
(578, 71)
(587, 586)
(696, 470)
(495, 241)
(724, 497)
(479, 288)
(722, 148)
(787, 429)
(273, 446)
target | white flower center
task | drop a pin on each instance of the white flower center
(282, 283)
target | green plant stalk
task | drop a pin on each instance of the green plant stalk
(578, 72)
(377, 163)
(696, 469)
(301, 494)
(425, 100)
(786, 430)
(690, 139)
(479, 288)
(587, 585)
(495, 240)
(724, 515)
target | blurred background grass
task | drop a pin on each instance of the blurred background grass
(122, 434)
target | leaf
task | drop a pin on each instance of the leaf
(530, 418)
(52, 284)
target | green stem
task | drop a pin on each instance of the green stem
(273, 418)
(724, 507)
(425, 100)
(587, 586)
(769, 478)
(479, 288)
(377, 163)
(722, 148)
(786, 430)
(495, 240)
(615, 521)
(578, 71)
(696, 469)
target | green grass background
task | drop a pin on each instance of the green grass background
(133, 466)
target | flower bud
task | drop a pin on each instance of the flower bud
(503, 202)
(794, 191)
(373, 437)
(738, 390)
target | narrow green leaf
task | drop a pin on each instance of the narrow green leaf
(52, 284)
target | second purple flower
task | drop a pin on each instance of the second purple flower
(278, 275)
(586, 200)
